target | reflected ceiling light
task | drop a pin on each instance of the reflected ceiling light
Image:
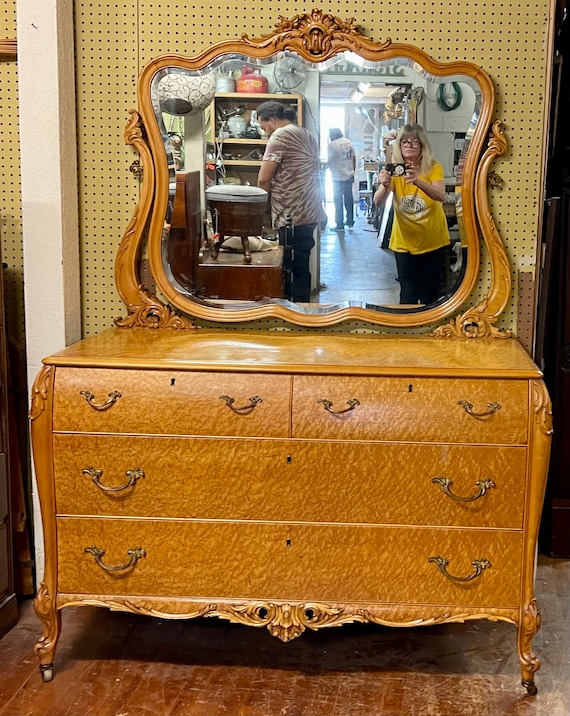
(364, 87)
(356, 96)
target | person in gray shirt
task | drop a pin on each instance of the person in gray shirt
(342, 163)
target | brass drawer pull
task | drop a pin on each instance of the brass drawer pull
(491, 408)
(89, 397)
(351, 404)
(134, 554)
(95, 474)
(479, 564)
(446, 484)
(244, 409)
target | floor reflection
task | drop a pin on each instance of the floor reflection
(354, 266)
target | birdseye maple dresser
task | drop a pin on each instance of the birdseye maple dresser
(234, 459)
(289, 481)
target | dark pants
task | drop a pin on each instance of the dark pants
(421, 276)
(298, 249)
(342, 193)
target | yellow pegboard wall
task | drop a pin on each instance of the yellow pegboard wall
(11, 196)
(116, 39)
(107, 68)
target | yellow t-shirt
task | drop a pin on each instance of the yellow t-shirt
(419, 222)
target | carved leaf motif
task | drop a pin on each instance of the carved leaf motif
(313, 35)
(478, 321)
(144, 309)
(42, 603)
(134, 129)
(39, 392)
(45, 609)
(153, 315)
(474, 323)
(542, 407)
(529, 627)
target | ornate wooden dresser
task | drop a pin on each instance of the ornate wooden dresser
(285, 478)
(282, 481)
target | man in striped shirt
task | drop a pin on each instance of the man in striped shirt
(290, 172)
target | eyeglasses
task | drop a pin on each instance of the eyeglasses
(410, 142)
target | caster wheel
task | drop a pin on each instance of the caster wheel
(530, 686)
(46, 670)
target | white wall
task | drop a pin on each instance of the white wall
(49, 187)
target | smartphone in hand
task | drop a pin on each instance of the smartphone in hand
(397, 170)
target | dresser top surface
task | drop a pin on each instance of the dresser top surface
(300, 352)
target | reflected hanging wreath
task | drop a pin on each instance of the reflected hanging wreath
(443, 100)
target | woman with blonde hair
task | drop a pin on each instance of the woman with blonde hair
(420, 236)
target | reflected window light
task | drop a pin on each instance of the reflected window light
(364, 87)
(356, 96)
(356, 59)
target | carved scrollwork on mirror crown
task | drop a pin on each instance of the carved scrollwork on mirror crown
(323, 44)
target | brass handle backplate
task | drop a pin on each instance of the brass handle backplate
(134, 554)
(244, 409)
(446, 484)
(90, 398)
(479, 564)
(136, 169)
(350, 405)
(95, 474)
(468, 407)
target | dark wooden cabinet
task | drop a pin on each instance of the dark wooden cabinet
(8, 604)
(552, 352)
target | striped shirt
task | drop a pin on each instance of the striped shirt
(296, 184)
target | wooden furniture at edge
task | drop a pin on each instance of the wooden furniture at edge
(185, 229)
(228, 277)
(8, 603)
(291, 481)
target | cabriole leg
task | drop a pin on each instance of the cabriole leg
(45, 608)
(527, 630)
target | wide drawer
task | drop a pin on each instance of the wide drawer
(172, 402)
(336, 563)
(426, 409)
(305, 481)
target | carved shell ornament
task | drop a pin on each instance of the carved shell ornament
(315, 32)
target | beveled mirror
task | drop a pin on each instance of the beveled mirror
(186, 140)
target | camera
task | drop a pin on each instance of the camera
(397, 170)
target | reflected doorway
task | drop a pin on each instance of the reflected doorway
(354, 264)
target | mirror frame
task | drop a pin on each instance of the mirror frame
(316, 37)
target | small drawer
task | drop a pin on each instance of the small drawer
(426, 409)
(322, 563)
(279, 480)
(171, 402)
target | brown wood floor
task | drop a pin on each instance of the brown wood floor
(115, 664)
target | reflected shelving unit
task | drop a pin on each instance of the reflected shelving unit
(239, 157)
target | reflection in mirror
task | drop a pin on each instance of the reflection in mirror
(208, 122)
